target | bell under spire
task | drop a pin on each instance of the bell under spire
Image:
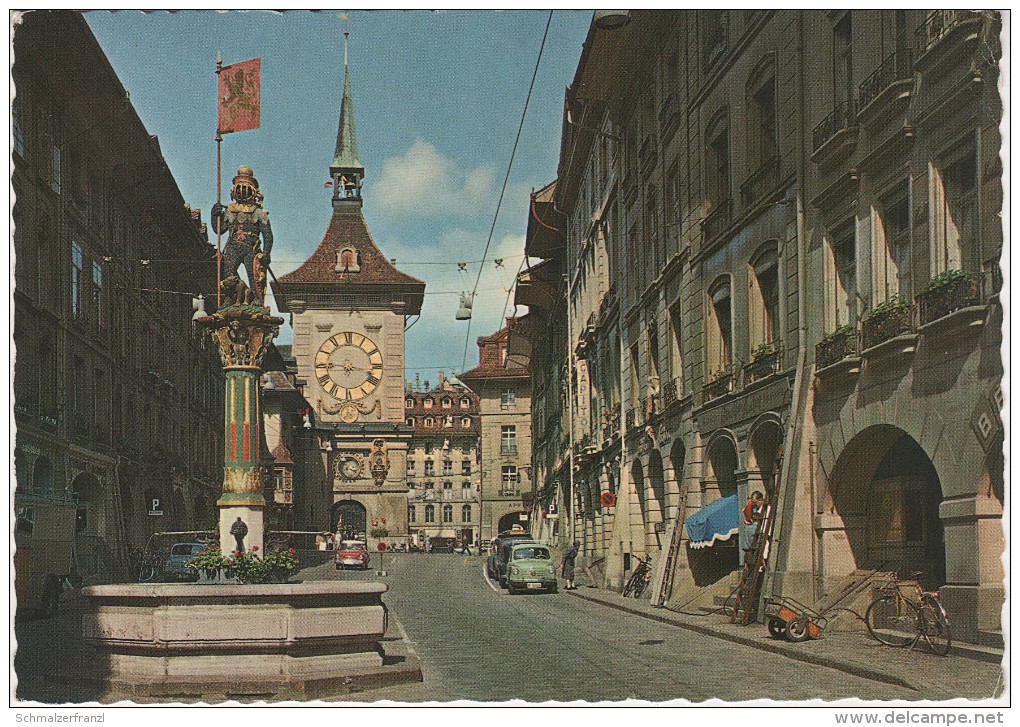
(346, 170)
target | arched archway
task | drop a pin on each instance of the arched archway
(887, 491)
(764, 444)
(42, 475)
(512, 518)
(721, 479)
(349, 518)
(88, 494)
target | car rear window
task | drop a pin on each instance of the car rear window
(536, 552)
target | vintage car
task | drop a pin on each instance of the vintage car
(176, 566)
(350, 554)
(530, 567)
(494, 562)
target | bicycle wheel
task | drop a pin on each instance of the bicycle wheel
(935, 625)
(631, 585)
(892, 623)
(639, 587)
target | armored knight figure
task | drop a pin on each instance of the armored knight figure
(245, 222)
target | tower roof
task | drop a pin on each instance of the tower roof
(346, 154)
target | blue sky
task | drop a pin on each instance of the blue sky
(437, 101)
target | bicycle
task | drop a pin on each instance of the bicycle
(904, 613)
(639, 578)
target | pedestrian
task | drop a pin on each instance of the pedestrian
(567, 565)
(239, 530)
(754, 507)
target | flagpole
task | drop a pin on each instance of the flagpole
(219, 226)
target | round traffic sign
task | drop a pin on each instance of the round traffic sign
(608, 498)
(381, 547)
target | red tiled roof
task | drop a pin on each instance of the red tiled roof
(347, 228)
(495, 372)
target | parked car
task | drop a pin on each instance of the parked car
(494, 565)
(444, 545)
(350, 554)
(176, 566)
(530, 567)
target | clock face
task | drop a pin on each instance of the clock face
(351, 468)
(348, 366)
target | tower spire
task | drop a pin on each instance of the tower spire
(346, 169)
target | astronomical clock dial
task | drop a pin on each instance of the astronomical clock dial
(348, 366)
(348, 467)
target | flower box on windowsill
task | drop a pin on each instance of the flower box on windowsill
(837, 358)
(719, 386)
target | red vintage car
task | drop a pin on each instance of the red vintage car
(350, 554)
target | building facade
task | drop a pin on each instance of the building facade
(443, 462)
(502, 384)
(118, 399)
(780, 234)
(348, 307)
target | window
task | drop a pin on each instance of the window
(428, 446)
(17, 132)
(412, 514)
(55, 171)
(713, 36)
(955, 209)
(430, 468)
(671, 201)
(97, 292)
(409, 403)
(465, 491)
(465, 403)
(508, 399)
(410, 468)
(465, 513)
(427, 402)
(447, 513)
(892, 270)
(430, 422)
(465, 466)
(717, 163)
(764, 141)
(410, 421)
(842, 305)
(843, 61)
(510, 477)
(77, 266)
(465, 422)
(720, 331)
(447, 468)
(676, 327)
(430, 513)
(508, 439)
(447, 402)
(763, 316)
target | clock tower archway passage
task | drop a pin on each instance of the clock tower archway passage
(349, 518)
(348, 306)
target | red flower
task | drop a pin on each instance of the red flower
(237, 553)
(291, 551)
(254, 548)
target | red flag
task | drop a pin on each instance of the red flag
(238, 96)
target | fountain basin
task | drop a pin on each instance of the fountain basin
(236, 640)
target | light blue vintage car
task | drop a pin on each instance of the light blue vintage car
(530, 567)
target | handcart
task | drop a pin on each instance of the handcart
(788, 618)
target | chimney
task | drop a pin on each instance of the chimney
(417, 382)
(427, 385)
(441, 379)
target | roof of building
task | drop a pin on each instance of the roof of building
(346, 154)
(347, 228)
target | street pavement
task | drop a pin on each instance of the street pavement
(479, 643)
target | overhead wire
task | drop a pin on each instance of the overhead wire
(506, 179)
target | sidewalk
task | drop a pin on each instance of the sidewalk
(932, 677)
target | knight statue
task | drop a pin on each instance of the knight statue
(245, 222)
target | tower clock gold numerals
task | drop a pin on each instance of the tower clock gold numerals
(348, 365)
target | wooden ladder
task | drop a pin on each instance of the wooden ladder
(758, 553)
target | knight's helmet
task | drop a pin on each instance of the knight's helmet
(245, 189)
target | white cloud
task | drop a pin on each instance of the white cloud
(423, 182)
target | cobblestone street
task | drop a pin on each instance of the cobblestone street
(481, 644)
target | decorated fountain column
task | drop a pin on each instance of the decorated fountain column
(243, 334)
(243, 329)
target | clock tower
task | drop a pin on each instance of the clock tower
(348, 306)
